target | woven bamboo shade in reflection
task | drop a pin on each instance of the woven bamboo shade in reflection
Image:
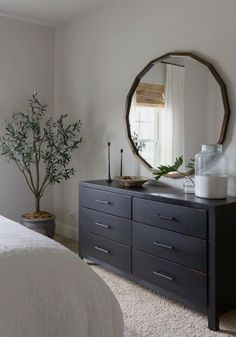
(150, 94)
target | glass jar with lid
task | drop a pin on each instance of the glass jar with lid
(211, 172)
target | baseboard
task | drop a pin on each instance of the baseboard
(66, 230)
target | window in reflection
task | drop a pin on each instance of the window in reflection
(145, 126)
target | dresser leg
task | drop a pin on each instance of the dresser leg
(213, 322)
(92, 264)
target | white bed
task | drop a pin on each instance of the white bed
(47, 291)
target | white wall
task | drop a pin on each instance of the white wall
(26, 65)
(97, 59)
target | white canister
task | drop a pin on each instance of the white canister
(211, 172)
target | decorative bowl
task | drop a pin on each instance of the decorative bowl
(131, 181)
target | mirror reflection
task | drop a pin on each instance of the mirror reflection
(176, 107)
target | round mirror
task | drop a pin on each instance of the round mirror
(176, 103)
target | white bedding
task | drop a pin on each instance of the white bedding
(47, 291)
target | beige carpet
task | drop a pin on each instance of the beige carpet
(147, 314)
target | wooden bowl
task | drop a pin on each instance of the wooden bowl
(131, 181)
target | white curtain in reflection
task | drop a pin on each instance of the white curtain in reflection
(132, 114)
(133, 124)
(172, 118)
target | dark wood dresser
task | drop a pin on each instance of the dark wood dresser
(174, 243)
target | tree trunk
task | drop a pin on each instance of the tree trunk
(37, 204)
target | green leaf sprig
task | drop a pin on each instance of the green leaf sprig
(165, 169)
(191, 165)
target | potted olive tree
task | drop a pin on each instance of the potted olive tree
(41, 148)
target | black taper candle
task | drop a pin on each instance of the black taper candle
(121, 162)
(109, 163)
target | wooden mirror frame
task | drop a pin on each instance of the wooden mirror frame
(136, 83)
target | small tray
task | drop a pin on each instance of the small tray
(131, 181)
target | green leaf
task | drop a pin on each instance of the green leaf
(165, 169)
(191, 165)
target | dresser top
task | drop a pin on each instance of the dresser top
(159, 192)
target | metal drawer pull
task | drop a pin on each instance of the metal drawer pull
(163, 217)
(162, 245)
(102, 201)
(163, 276)
(102, 250)
(101, 225)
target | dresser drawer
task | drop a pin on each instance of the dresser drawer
(180, 248)
(175, 218)
(188, 284)
(108, 251)
(108, 202)
(106, 225)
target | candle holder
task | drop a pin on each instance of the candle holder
(109, 180)
(121, 162)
